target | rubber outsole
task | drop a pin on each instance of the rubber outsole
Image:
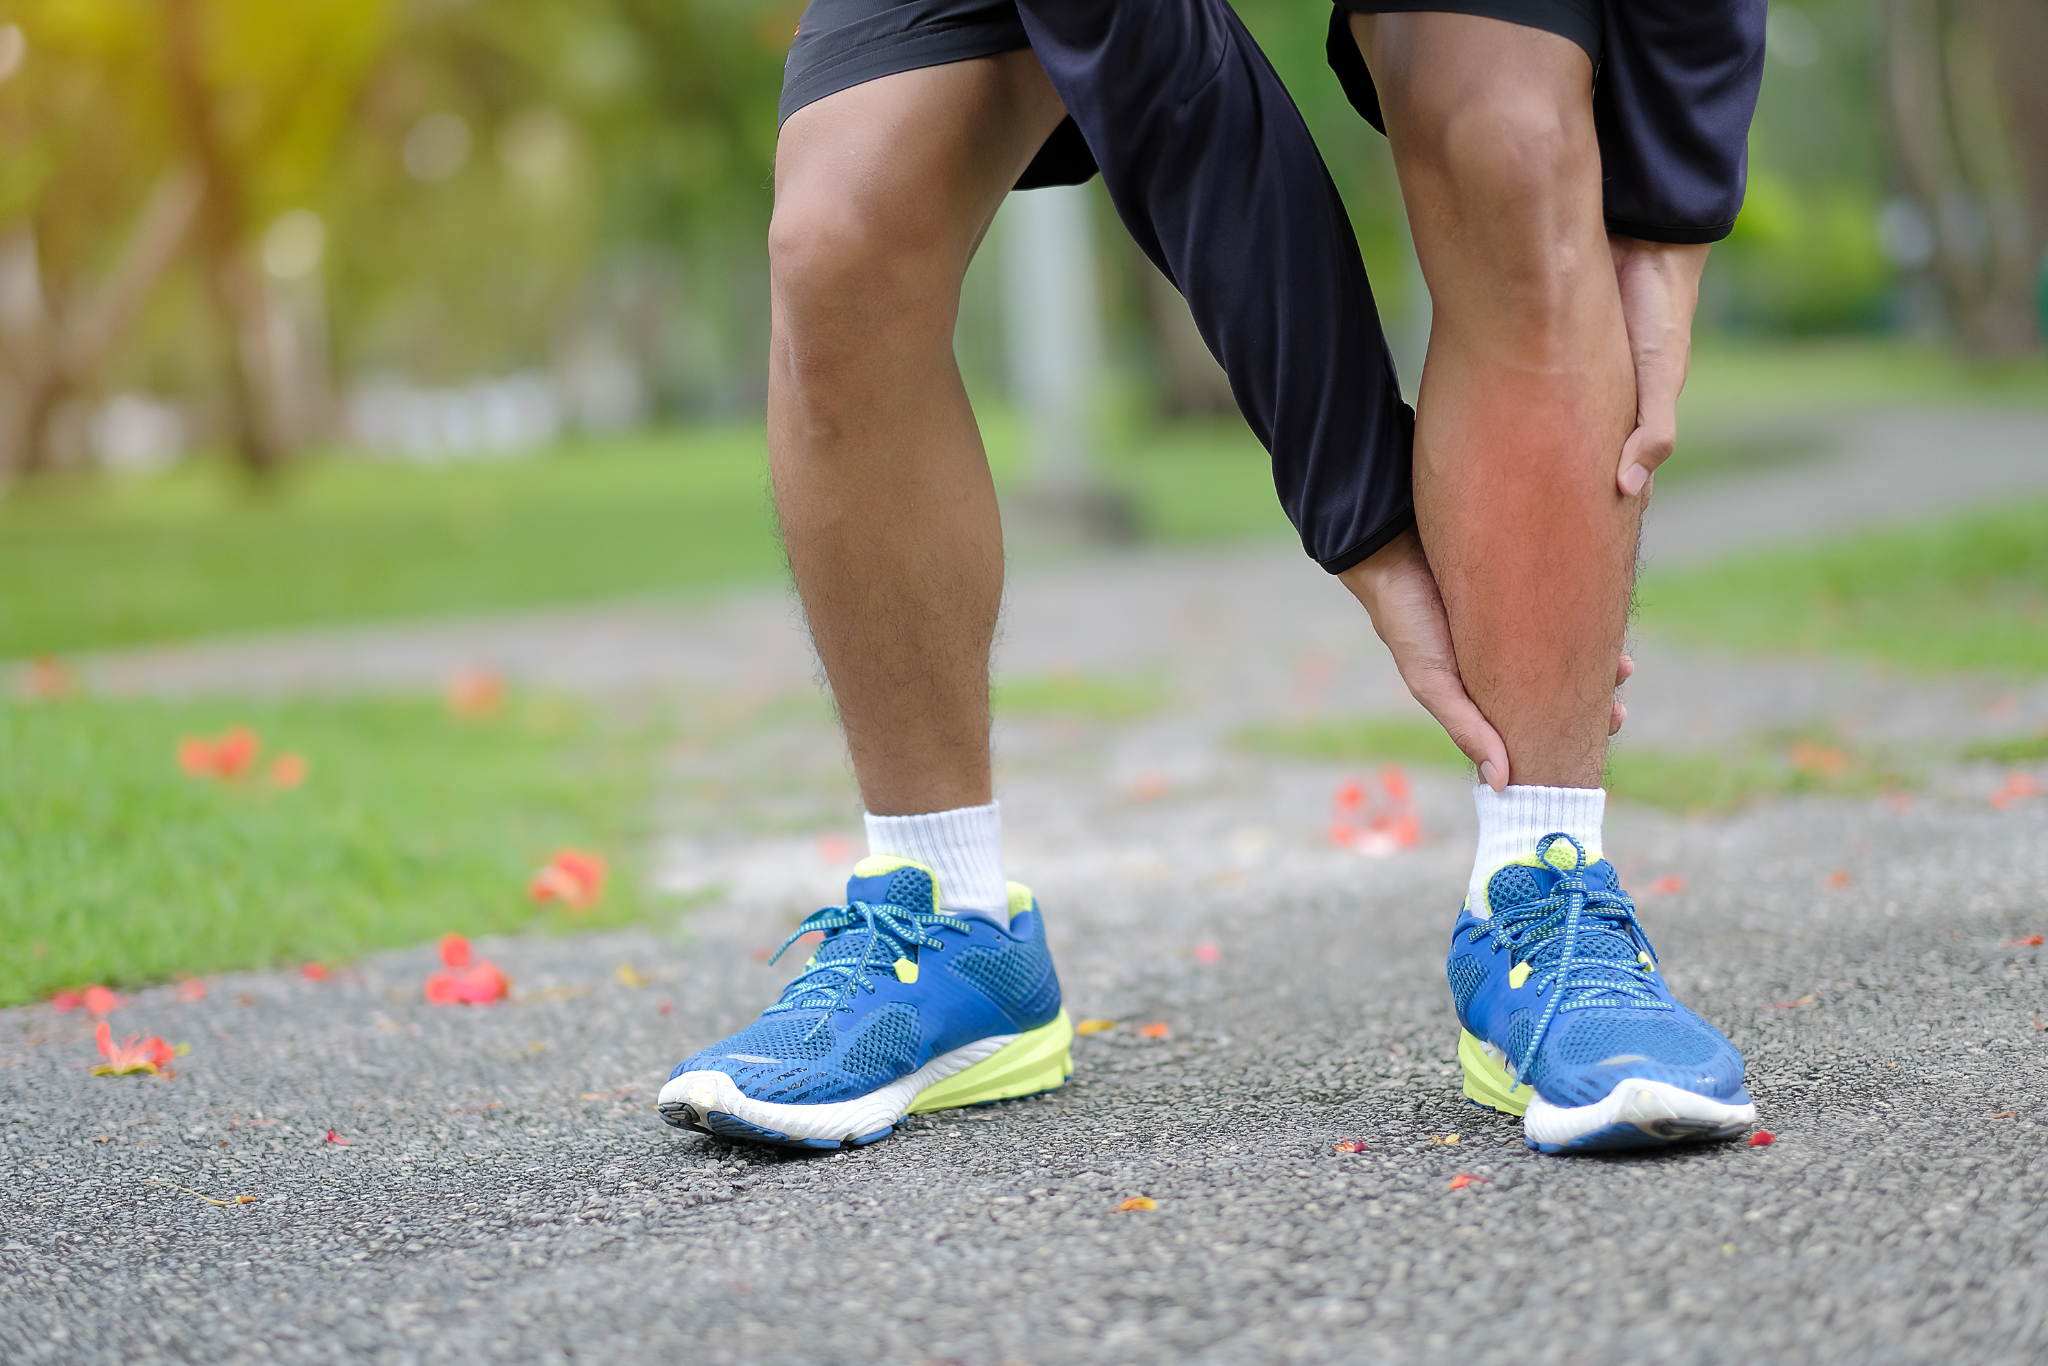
(1639, 1114)
(1032, 1063)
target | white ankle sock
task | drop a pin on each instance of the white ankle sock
(963, 846)
(1511, 823)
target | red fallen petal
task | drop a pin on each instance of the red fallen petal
(1395, 781)
(475, 692)
(65, 1001)
(100, 1001)
(288, 770)
(1671, 884)
(477, 985)
(191, 989)
(235, 752)
(333, 1137)
(195, 756)
(454, 951)
(104, 1036)
(1351, 1145)
(1153, 1031)
(160, 1053)
(1464, 1179)
(1762, 1139)
(480, 985)
(1351, 794)
(1207, 953)
(2031, 941)
(574, 877)
(315, 972)
(666, 1008)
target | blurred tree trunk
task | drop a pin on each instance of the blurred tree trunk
(1970, 115)
(49, 360)
(2018, 33)
(234, 285)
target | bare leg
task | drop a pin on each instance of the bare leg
(882, 194)
(1528, 392)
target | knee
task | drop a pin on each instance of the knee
(1519, 154)
(840, 259)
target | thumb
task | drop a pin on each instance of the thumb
(1445, 698)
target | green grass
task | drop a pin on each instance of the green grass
(1746, 376)
(121, 869)
(195, 551)
(1696, 781)
(130, 558)
(1966, 592)
(1366, 739)
(2031, 749)
(1077, 697)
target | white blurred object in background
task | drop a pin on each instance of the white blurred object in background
(136, 432)
(502, 416)
(1053, 331)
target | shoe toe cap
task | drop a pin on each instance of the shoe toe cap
(1595, 1051)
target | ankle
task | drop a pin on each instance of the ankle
(1511, 823)
(964, 849)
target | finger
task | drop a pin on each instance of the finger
(1624, 670)
(1615, 717)
(1443, 695)
(1646, 448)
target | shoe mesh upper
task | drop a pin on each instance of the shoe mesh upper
(807, 1051)
(1466, 973)
(1632, 1019)
(1023, 974)
(885, 1047)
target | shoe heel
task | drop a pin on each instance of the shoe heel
(1030, 1063)
(1486, 1080)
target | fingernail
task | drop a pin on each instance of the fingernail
(1486, 772)
(1633, 478)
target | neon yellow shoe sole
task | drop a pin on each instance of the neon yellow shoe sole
(1486, 1077)
(1030, 1063)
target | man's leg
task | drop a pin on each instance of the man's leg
(925, 991)
(882, 194)
(1529, 390)
(1527, 398)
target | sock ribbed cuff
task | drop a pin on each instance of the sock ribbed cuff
(1512, 822)
(964, 847)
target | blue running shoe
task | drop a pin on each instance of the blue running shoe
(903, 1009)
(1568, 1023)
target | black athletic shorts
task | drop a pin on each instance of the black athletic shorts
(841, 43)
(1674, 85)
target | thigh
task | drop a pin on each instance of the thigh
(917, 160)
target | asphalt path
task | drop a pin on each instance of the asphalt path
(506, 1191)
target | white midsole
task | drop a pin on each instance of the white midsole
(841, 1120)
(1633, 1101)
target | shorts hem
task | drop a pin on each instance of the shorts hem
(1561, 17)
(1371, 545)
(1675, 234)
(892, 53)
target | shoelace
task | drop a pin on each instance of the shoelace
(1585, 944)
(830, 985)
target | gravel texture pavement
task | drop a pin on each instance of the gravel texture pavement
(506, 1190)
(497, 1185)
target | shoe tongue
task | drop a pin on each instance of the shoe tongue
(881, 880)
(1518, 883)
